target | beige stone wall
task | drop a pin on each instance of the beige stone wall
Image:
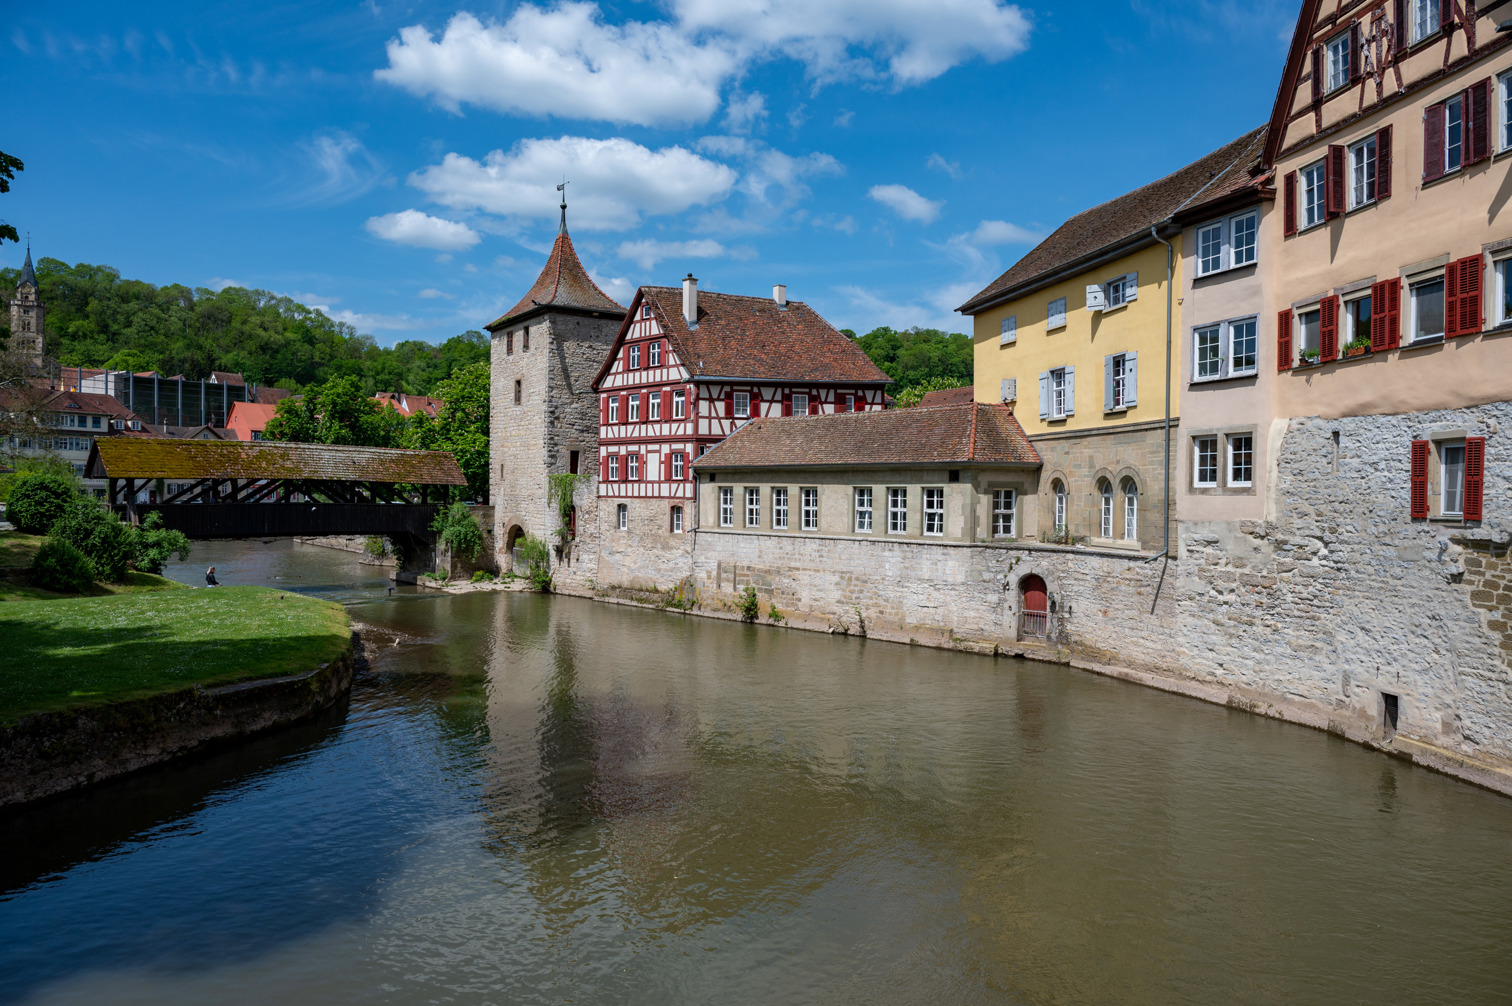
(647, 555)
(1081, 459)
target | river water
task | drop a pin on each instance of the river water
(539, 799)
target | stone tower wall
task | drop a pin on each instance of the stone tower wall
(26, 308)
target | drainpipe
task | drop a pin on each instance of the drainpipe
(1170, 269)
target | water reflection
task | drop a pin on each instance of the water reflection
(541, 799)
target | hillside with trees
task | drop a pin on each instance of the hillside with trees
(918, 359)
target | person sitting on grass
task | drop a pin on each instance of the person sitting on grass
(210, 580)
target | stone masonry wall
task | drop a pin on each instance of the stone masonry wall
(1082, 458)
(1345, 599)
(648, 555)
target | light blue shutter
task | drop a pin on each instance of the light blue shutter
(1107, 383)
(1070, 391)
(1045, 395)
(1009, 333)
(1131, 378)
(1131, 287)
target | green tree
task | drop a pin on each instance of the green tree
(461, 426)
(8, 167)
(38, 502)
(918, 356)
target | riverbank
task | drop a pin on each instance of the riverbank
(16, 553)
(92, 688)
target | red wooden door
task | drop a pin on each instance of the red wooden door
(1035, 596)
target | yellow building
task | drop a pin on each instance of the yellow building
(1076, 335)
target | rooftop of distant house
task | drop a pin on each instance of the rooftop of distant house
(963, 395)
(408, 405)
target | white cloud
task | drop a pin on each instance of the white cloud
(843, 120)
(745, 112)
(431, 293)
(220, 283)
(939, 163)
(411, 227)
(614, 182)
(1000, 232)
(906, 203)
(345, 169)
(647, 253)
(937, 310)
(617, 287)
(564, 61)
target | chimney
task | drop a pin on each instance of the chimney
(690, 301)
(779, 294)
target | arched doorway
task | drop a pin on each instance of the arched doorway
(511, 539)
(1034, 609)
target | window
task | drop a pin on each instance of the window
(645, 311)
(1002, 513)
(897, 511)
(934, 511)
(517, 391)
(1008, 331)
(634, 357)
(614, 468)
(780, 508)
(850, 403)
(1357, 321)
(810, 509)
(753, 507)
(1425, 19)
(1207, 352)
(1362, 172)
(653, 405)
(1309, 335)
(1205, 462)
(1058, 490)
(800, 404)
(1503, 272)
(1504, 109)
(1058, 397)
(1314, 207)
(677, 465)
(1227, 244)
(742, 405)
(632, 466)
(1209, 249)
(1119, 380)
(1227, 349)
(1454, 133)
(1105, 494)
(634, 409)
(95, 421)
(1118, 292)
(864, 509)
(1241, 459)
(508, 343)
(1452, 470)
(726, 506)
(1055, 314)
(1338, 55)
(525, 339)
(573, 460)
(1131, 510)
(654, 352)
(613, 408)
(622, 516)
(679, 405)
(1428, 309)
(677, 517)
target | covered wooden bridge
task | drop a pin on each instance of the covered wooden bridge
(257, 489)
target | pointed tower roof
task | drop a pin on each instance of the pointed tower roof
(564, 285)
(28, 274)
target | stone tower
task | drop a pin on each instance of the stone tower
(26, 315)
(544, 416)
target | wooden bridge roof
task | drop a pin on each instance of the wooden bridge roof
(189, 460)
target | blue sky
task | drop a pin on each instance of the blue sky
(396, 163)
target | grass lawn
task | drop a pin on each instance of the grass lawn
(92, 650)
(16, 553)
(17, 549)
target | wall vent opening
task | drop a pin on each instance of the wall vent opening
(1392, 711)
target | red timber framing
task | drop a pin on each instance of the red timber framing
(656, 416)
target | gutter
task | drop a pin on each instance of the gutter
(1165, 524)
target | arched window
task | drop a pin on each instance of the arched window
(1105, 510)
(1058, 488)
(1130, 510)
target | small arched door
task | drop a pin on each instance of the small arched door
(1034, 612)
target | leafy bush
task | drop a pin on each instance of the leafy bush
(61, 567)
(152, 544)
(481, 575)
(774, 616)
(38, 501)
(537, 559)
(459, 530)
(109, 545)
(748, 606)
(374, 546)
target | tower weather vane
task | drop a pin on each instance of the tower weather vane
(563, 190)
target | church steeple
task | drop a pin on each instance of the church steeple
(28, 274)
(27, 315)
(563, 285)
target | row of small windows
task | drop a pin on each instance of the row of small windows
(1240, 466)
(1057, 387)
(1106, 296)
(679, 406)
(632, 467)
(864, 505)
(509, 339)
(653, 355)
(1128, 509)
(1337, 63)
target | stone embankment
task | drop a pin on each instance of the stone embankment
(50, 753)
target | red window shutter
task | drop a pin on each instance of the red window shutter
(1433, 142)
(1355, 69)
(624, 415)
(787, 403)
(1378, 317)
(1284, 340)
(1478, 110)
(1467, 302)
(1446, 13)
(603, 410)
(1451, 299)
(1289, 201)
(1400, 19)
(604, 469)
(1383, 163)
(1334, 176)
(1391, 300)
(1475, 477)
(729, 403)
(1328, 328)
(1419, 492)
(1317, 73)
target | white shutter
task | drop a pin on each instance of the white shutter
(1095, 301)
(1045, 395)
(1010, 389)
(1055, 314)
(1107, 383)
(1009, 331)
(1131, 378)
(1070, 391)
(1131, 287)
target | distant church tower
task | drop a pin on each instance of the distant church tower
(26, 315)
(544, 415)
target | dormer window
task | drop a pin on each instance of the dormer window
(634, 357)
(645, 310)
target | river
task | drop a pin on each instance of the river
(536, 799)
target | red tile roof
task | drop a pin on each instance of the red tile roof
(948, 396)
(964, 434)
(752, 339)
(563, 283)
(271, 396)
(1124, 220)
(408, 405)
